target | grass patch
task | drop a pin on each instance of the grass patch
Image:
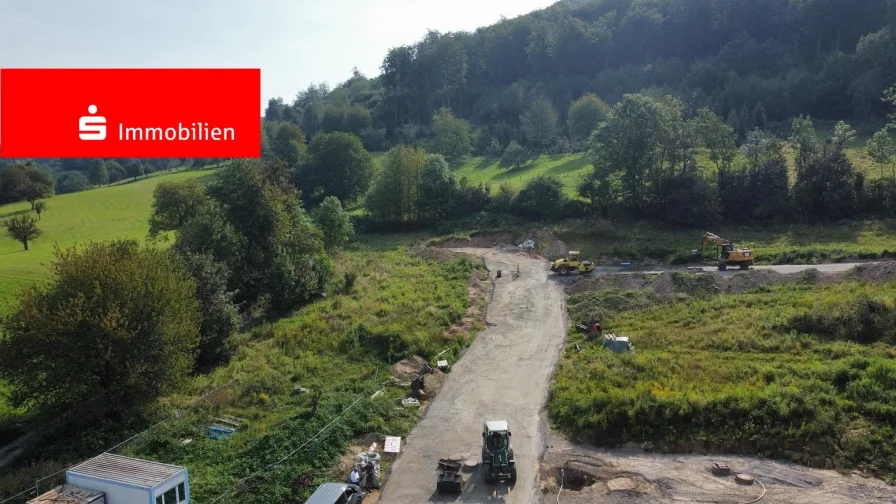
(114, 212)
(568, 169)
(752, 373)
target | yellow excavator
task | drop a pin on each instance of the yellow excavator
(726, 254)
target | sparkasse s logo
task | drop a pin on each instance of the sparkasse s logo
(92, 127)
(131, 113)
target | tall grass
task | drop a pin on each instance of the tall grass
(734, 373)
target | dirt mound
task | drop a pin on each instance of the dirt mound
(430, 384)
(480, 241)
(669, 283)
(747, 280)
(557, 249)
(882, 272)
(408, 369)
(435, 253)
(664, 284)
(633, 281)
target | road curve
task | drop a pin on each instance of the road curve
(504, 375)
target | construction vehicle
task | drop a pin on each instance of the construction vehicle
(572, 263)
(497, 453)
(726, 254)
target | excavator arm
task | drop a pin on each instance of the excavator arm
(708, 238)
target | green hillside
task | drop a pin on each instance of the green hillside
(569, 169)
(120, 211)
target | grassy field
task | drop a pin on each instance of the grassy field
(118, 211)
(758, 372)
(568, 169)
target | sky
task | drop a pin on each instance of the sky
(293, 42)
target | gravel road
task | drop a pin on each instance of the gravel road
(503, 375)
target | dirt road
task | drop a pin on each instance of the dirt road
(504, 375)
(785, 269)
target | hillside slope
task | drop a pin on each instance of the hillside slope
(119, 211)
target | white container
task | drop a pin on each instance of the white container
(127, 480)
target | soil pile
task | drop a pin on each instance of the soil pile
(408, 369)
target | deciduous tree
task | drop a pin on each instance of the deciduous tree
(174, 202)
(338, 166)
(881, 148)
(515, 155)
(22, 228)
(288, 144)
(333, 222)
(584, 116)
(453, 136)
(540, 123)
(40, 207)
(115, 328)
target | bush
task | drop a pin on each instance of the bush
(333, 223)
(125, 317)
(70, 182)
(542, 197)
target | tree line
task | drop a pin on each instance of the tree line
(645, 167)
(751, 62)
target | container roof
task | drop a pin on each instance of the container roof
(329, 493)
(496, 425)
(127, 470)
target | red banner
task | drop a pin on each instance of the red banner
(130, 113)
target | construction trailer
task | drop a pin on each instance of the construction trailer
(126, 480)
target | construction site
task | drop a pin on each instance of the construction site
(504, 378)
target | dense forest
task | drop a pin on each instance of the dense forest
(752, 62)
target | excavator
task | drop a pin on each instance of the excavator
(727, 255)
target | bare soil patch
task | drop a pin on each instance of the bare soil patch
(631, 476)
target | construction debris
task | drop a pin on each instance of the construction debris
(369, 464)
(618, 344)
(720, 469)
(527, 245)
(69, 494)
(410, 402)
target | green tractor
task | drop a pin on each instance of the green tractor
(497, 453)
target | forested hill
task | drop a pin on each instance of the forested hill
(831, 59)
